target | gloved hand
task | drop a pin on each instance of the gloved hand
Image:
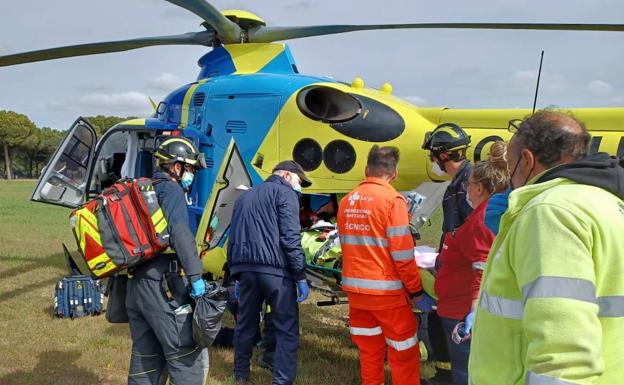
(426, 303)
(237, 290)
(198, 288)
(468, 321)
(496, 207)
(302, 290)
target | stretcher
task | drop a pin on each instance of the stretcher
(326, 278)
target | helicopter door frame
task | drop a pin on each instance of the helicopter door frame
(57, 183)
(131, 150)
(231, 180)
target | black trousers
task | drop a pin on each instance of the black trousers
(162, 339)
(281, 294)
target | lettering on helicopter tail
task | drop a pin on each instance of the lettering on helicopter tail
(481, 145)
(595, 144)
(376, 122)
(620, 149)
(339, 156)
(308, 153)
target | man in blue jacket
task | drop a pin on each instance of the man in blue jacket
(266, 259)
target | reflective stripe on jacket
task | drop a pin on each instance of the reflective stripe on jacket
(376, 242)
(551, 308)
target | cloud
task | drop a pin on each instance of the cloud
(417, 100)
(102, 88)
(617, 101)
(124, 103)
(599, 87)
(165, 83)
(526, 80)
(299, 5)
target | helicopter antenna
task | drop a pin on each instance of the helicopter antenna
(539, 74)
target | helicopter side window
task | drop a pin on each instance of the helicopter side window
(71, 168)
(145, 156)
(110, 162)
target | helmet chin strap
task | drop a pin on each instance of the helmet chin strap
(442, 162)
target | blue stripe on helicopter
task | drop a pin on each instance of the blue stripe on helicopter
(174, 100)
(284, 63)
(243, 107)
(217, 62)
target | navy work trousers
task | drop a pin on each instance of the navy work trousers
(459, 353)
(281, 294)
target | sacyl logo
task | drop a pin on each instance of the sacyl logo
(354, 198)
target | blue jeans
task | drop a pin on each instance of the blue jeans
(459, 353)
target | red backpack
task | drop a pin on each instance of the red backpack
(121, 227)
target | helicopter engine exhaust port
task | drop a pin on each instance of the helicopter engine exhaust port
(308, 153)
(327, 104)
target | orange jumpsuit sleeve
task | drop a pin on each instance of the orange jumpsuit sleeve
(401, 247)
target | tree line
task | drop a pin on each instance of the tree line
(27, 148)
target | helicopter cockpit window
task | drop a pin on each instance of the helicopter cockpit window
(162, 107)
(65, 182)
(327, 104)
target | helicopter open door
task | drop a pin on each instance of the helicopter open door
(64, 179)
(231, 180)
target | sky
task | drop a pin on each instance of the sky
(452, 68)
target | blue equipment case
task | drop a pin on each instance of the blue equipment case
(77, 296)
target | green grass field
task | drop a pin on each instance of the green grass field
(36, 349)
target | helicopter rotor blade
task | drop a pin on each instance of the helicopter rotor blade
(227, 31)
(191, 38)
(270, 34)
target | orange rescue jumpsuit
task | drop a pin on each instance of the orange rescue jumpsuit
(379, 275)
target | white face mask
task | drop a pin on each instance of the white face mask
(435, 167)
(295, 186)
(468, 200)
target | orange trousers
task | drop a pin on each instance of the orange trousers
(373, 330)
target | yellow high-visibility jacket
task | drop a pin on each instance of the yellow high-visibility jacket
(551, 306)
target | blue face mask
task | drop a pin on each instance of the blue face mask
(187, 180)
(297, 188)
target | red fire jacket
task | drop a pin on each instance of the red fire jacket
(461, 264)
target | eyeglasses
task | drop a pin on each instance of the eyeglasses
(514, 125)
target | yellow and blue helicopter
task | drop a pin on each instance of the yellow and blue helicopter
(251, 108)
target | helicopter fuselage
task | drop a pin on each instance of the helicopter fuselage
(250, 109)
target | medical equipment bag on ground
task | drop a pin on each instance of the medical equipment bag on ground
(120, 228)
(77, 296)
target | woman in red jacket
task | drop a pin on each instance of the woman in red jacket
(463, 256)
